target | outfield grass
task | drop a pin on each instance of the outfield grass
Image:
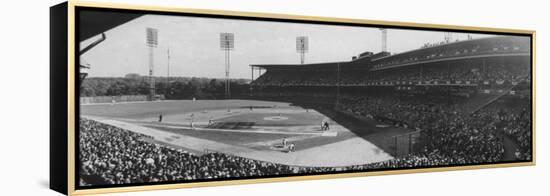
(138, 110)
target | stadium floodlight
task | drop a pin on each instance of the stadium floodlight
(302, 47)
(151, 38)
(384, 39)
(227, 43)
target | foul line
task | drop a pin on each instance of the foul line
(326, 133)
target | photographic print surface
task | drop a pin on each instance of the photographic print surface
(172, 98)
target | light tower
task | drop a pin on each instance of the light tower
(448, 37)
(152, 43)
(302, 47)
(227, 43)
(384, 39)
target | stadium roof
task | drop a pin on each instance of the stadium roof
(419, 55)
(299, 66)
(95, 22)
(457, 44)
(483, 56)
(469, 49)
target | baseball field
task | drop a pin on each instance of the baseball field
(255, 129)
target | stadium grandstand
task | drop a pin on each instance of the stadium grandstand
(463, 90)
(494, 61)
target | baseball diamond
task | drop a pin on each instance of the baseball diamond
(253, 134)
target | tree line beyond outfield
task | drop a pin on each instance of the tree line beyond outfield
(172, 88)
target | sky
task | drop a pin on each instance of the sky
(195, 49)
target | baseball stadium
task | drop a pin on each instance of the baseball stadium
(455, 102)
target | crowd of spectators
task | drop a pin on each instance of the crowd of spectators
(452, 131)
(111, 155)
(513, 117)
(297, 78)
(407, 111)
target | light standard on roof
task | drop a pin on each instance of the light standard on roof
(302, 47)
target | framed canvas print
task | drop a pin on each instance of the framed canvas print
(148, 98)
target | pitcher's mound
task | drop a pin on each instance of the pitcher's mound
(276, 118)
